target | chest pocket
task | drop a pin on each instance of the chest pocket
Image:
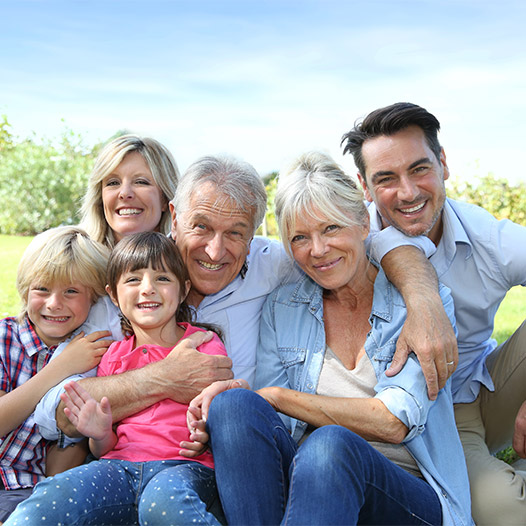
(291, 356)
(382, 356)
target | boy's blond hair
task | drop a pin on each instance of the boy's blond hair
(64, 254)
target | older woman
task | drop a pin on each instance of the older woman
(354, 446)
(132, 181)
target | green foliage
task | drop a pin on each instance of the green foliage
(41, 181)
(498, 196)
(270, 218)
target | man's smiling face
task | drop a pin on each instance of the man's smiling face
(214, 237)
(406, 181)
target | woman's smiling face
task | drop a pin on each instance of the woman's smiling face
(331, 254)
(131, 199)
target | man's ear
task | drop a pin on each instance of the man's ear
(444, 164)
(366, 192)
(174, 219)
(187, 287)
(113, 300)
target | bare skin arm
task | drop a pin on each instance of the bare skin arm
(181, 376)
(427, 331)
(519, 435)
(367, 417)
(61, 459)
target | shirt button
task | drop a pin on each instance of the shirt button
(145, 351)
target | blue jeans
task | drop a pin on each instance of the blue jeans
(122, 492)
(334, 477)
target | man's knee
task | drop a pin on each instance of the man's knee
(498, 497)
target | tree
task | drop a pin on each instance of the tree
(498, 196)
(41, 181)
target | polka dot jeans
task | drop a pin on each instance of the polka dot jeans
(120, 492)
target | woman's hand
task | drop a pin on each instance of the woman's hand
(203, 400)
(197, 414)
(270, 394)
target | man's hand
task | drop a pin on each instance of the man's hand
(186, 371)
(180, 376)
(519, 435)
(428, 333)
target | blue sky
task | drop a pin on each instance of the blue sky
(267, 80)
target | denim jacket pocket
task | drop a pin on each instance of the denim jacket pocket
(291, 356)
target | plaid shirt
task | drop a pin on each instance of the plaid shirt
(23, 451)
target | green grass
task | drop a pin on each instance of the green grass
(11, 248)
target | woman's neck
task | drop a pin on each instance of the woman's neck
(357, 293)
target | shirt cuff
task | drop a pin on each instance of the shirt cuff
(389, 238)
(405, 407)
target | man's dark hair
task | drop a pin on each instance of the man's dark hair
(388, 121)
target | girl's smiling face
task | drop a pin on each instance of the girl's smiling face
(149, 299)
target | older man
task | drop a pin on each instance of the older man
(218, 205)
(402, 168)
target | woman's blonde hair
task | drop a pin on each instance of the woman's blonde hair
(65, 254)
(315, 180)
(164, 172)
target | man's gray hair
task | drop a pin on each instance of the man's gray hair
(236, 180)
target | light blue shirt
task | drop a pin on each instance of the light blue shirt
(479, 258)
(236, 310)
(291, 350)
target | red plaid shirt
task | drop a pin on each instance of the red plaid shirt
(23, 451)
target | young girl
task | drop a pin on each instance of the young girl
(60, 276)
(141, 475)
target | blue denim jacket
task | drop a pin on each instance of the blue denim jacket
(290, 354)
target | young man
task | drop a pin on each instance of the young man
(402, 168)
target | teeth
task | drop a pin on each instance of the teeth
(54, 318)
(210, 266)
(148, 305)
(128, 211)
(413, 209)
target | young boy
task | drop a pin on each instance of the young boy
(60, 276)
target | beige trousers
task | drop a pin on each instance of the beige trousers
(498, 490)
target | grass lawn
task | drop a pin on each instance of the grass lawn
(12, 248)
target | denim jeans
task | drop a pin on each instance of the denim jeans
(122, 492)
(334, 477)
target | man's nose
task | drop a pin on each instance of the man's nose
(215, 248)
(407, 190)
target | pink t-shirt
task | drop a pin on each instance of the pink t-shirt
(155, 432)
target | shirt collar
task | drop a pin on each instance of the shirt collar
(453, 232)
(30, 339)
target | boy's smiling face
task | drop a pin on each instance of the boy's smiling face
(57, 310)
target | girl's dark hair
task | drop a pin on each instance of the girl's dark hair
(139, 251)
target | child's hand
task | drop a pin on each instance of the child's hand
(91, 418)
(83, 353)
(198, 443)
